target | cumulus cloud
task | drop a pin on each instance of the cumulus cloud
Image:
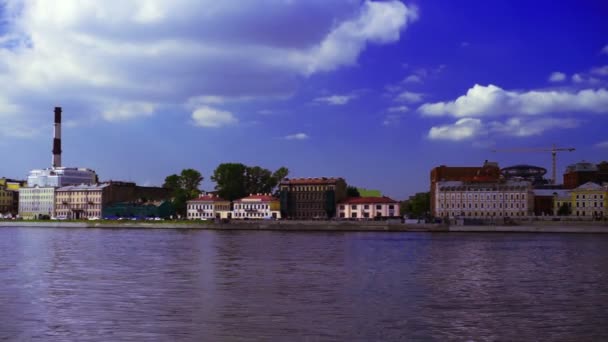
(297, 136)
(398, 109)
(409, 97)
(600, 71)
(470, 128)
(557, 76)
(336, 100)
(412, 79)
(603, 144)
(494, 101)
(212, 118)
(126, 59)
(462, 129)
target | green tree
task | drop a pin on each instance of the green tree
(259, 180)
(230, 180)
(182, 188)
(277, 176)
(418, 206)
(564, 210)
(352, 191)
(190, 181)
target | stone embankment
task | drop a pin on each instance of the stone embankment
(536, 227)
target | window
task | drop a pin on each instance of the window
(353, 207)
(366, 206)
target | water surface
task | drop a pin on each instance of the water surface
(190, 285)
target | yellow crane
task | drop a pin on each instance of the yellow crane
(552, 149)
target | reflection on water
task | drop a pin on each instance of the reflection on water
(170, 285)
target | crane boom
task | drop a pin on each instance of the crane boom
(552, 149)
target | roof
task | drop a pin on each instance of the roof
(83, 187)
(208, 198)
(309, 181)
(258, 198)
(590, 186)
(551, 192)
(369, 200)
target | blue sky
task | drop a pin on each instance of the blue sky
(376, 92)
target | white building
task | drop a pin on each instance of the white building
(61, 176)
(258, 206)
(473, 199)
(208, 207)
(36, 202)
(368, 207)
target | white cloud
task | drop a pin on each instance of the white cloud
(106, 57)
(577, 78)
(378, 22)
(601, 71)
(519, 127)
(336, 100)
(470, 128)
(462, 129)
(494, 101)
(412, 79)
(557, 76)
(213, 118)
(391, 120)
(603, 144)
(127, 110)
(409, 97)
(605, 50)
(297, 136)
(398, 109)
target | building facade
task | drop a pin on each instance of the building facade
(489, 172)
(88, 201)
(36, 202)
(484, 199)
(584, 172)
(138, 209)
(368, 208)
(311, 198)
(9, 196)
(61, 176)
(207, 207)
(259, 206)
(589, 201)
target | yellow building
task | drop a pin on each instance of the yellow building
(589, 201)
(9, 196)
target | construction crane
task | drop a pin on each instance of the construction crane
(552, 149)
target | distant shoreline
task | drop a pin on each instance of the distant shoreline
(330, 226)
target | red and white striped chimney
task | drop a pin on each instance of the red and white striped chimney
(57, 139)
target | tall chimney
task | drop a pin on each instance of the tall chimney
(57, 139)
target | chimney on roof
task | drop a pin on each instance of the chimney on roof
(57, 139)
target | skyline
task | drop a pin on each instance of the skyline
(376, 92)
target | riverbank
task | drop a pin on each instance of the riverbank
(544, 227)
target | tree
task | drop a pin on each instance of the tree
(277, 176)
(352, 191)
(418, 206)
(190, 181)
(564, 210)
(259, 180)
(182, 188)
(230, 180)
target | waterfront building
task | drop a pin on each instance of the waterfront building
(88, 200)
(368, 208)
(311, 198)
(562, 198)
(589, 200)
(545, 199)
(488, 172)
(258, 206)
(208, 206)
(531, 173)
(484, 199)
(61, 176)
(9, 196)
(138, 209)
(583, 172)
(36, 202)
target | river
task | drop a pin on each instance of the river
(195, 285)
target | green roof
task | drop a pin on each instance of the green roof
(369, 192)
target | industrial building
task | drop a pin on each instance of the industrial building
(311, 198)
